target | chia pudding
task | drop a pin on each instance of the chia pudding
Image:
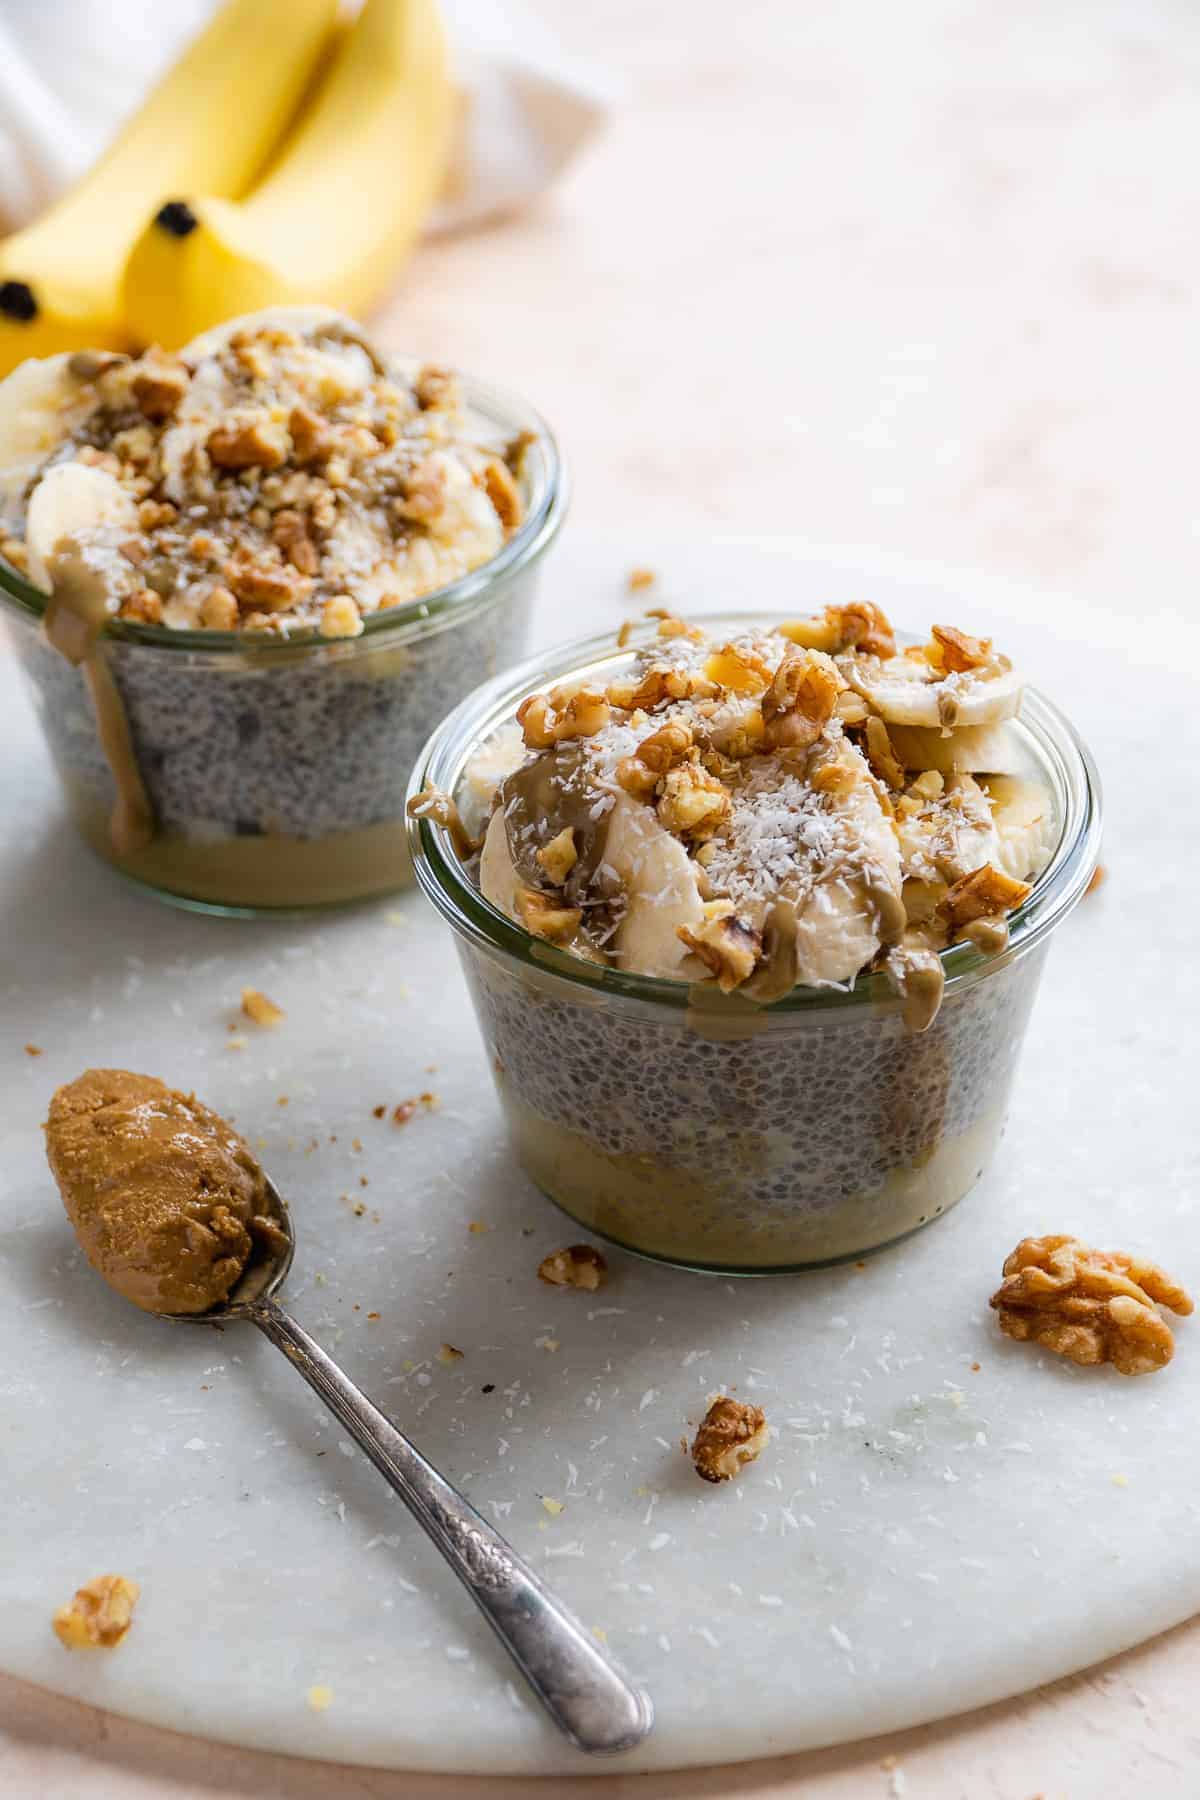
(250, 578)
(753, 913)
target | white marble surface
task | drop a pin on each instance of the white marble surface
(860, 1578)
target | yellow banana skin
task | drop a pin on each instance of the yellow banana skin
(211, 124)
(342, 203)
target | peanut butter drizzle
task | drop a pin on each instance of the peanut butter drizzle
(76, 614)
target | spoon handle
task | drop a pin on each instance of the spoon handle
(600, 1710)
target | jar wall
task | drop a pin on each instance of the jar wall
(804, 1138)
(276, 780)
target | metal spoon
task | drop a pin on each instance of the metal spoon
(598, 1707)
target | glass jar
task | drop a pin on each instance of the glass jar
(706, 1130)
(276, 768)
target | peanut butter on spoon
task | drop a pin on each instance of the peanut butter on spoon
(167, 1201)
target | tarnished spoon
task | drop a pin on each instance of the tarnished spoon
(586, 1695)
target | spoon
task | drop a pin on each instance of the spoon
(586, 1695)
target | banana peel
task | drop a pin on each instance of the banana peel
(342, 203)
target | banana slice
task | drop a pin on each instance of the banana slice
(948, 837)
(661, 891)
(70, 500)
(1026, 829)
(497, 876)
(491, 764)
(658, 876)
(40, 402)
(971, 750)
(76, 518)
(856, 904)
(905, 690)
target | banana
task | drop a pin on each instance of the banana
(497, 876)
(659, 878)
(971, 750)
(842, 922)
(210, 125)
(40, 402)
(1023, 814)
(74, 524)
(905, 690)
(950, 835)
(70, 499)
(340, 206)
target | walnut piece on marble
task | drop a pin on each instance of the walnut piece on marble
(731, 1434)
(1092, 1306)
(99, 1615)
(578, 1266)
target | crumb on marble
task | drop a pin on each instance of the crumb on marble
(100, 1614)
(258, 1007)
(578, 1266)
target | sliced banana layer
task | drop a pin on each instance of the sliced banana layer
(497, 877)
(831, 869)
(970, 750)
(1026, 829)
(660, 882)
(907, 690)
(40, 403)
(658, 879)
(70, 500)
(76, 518)
(948, 834)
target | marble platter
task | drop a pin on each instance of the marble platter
(922, 1536)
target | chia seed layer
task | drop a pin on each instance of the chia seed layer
(812, 1137)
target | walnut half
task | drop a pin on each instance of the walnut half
(731, 1435)
(1092, 1306)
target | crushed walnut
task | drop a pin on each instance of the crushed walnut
(100, 1614)
(731, 1434)
(985, 893)
(578, 1266)
(285, 479)
(1091, 1306)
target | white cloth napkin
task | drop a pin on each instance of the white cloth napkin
(71, 71)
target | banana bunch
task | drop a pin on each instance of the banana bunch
(282, 161)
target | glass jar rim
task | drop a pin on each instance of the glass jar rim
(1058, 748)
(414, 618)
